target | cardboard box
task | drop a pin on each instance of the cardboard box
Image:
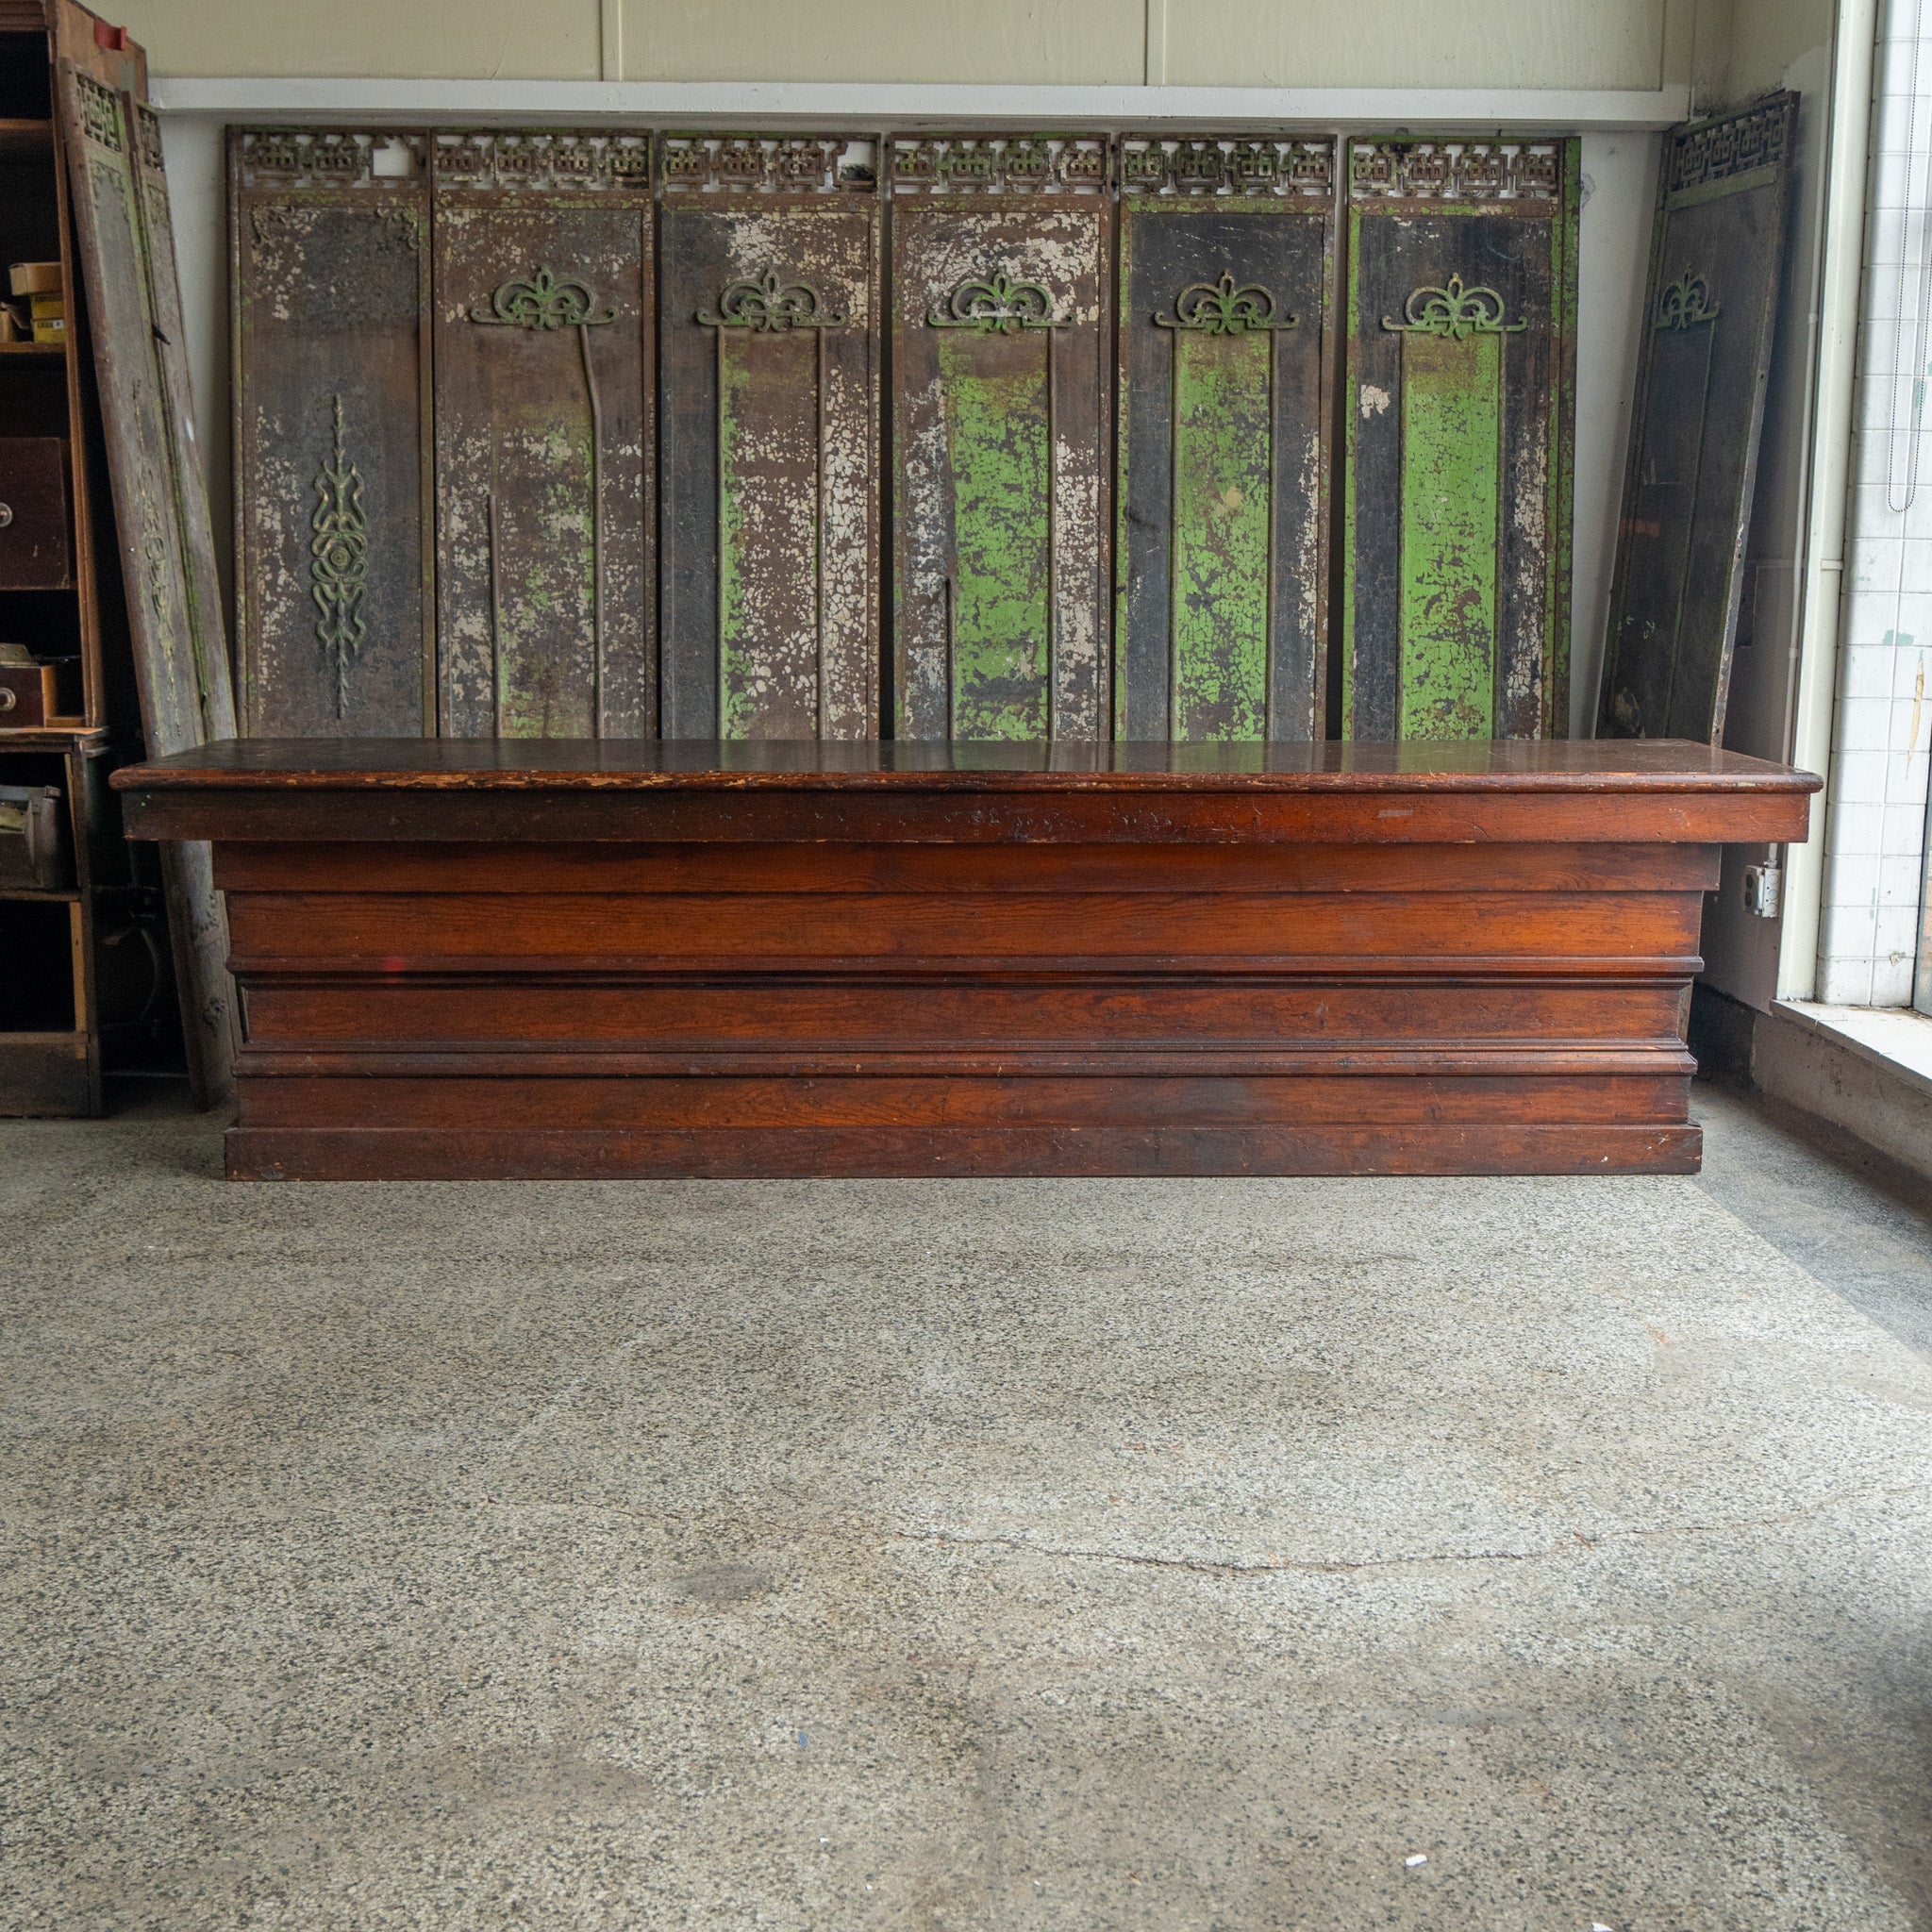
(36, 278)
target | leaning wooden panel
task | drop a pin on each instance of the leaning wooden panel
(768, 434)
(1459, 403)
(1002, 308)
(1222, 505)
(1709, 314)
(119, 199)
(334, 560)
(543, 355)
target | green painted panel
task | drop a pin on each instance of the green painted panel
(1222, 454)
(1002, 472)
(1452, 417)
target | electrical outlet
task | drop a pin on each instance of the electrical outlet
(1763, 887)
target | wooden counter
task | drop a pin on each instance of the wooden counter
(544, 958)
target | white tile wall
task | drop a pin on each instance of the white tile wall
(1874, 876)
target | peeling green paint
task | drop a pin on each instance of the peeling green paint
(1451, 404)
(1221, 514)
(997, 438)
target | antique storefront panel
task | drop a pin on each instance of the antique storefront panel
(1459, 406)
(1001, 310)
(768, 341)
(334, 556)
(1709, 313)
(543, 358)
(126, 238)
(1220, 546)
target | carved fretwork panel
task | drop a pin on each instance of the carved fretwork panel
(1001, 297)
(767, 426)
(334, 552)
(1223, 413)
(543, 359)
(1709, 319)
(1458, 412)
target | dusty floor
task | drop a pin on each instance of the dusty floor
(1070, 1555)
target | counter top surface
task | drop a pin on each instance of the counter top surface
(447, 764)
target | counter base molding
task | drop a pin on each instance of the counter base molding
(530, 959)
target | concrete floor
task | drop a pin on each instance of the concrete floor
(1244, 1556)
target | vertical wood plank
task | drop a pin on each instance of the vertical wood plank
(1222, 415)
(769, 350)
(334, 520)
(125, 234)
(1709, 314)
(543, 359)
(1002, 294)
(1458, 404)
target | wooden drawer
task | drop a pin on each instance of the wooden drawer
(36, 547)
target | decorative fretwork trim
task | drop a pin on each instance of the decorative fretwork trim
(1220, 309)
(1454, 312)
(767, 164)
(1686, 302)
(551, 162)
(326, 158)
(1455, 170)
(1000, 165)
(768, 305)
(1190, 167)
(998, 306)
(339, 561)
(1735, 145)
(540, 301)
(100, 112)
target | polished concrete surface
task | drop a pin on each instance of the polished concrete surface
(1231, 1556)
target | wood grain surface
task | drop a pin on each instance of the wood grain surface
(871, 959)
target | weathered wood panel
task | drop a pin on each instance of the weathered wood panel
(1458, 404)
(119, 199)
(769, 346)
(1221, 536)
(1710, 311)
(543, 353)
(1002, 308)
(334, 558)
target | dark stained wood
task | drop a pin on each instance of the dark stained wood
(549, 959)
(1709, 313)
(335, 605)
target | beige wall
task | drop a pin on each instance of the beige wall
(1475, 44)
(447, 40)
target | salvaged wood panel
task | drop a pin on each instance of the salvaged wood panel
(768, 432)
(545, 434)
(467, 961)
(335, 560)
(1459, 402)
(1710, 311)
(1221, 564)
(1002, 310)
(120, 204)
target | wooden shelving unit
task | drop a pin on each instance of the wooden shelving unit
(85, 984)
